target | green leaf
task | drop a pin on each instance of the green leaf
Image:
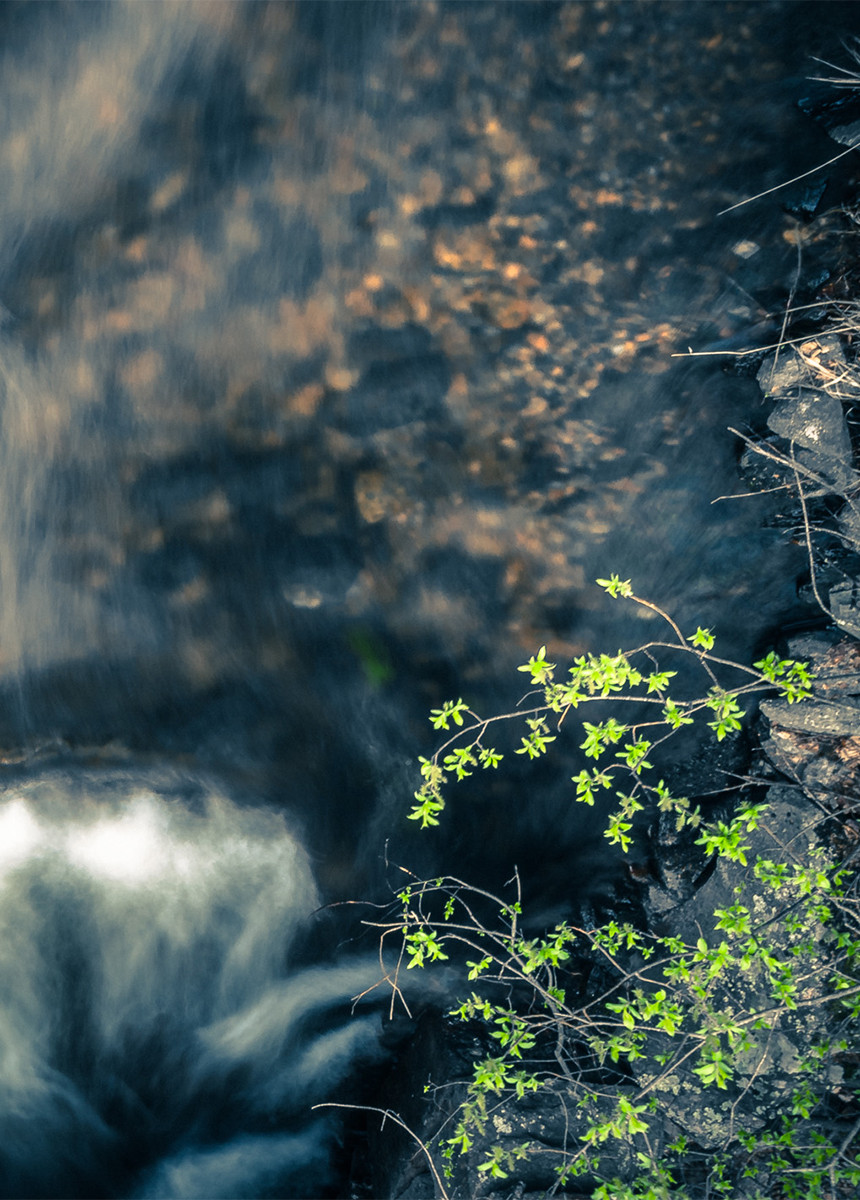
(538, 667)
(658, 681)
(702, 638)
(429, 804)
(451, 710)
(616, 587)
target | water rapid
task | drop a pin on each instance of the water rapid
(152, 1009)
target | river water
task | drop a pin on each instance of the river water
(336, 362)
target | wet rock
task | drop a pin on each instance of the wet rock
(848, 135)
(478, 211)
(374, 343)
(791, 752)
(764, 1076)
(836, 109)
(762, 472)
(816, 743)
(825, 473)
(805, 200)
(550, 1123)
(679, 865)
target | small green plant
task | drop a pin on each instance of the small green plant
(621, 750)
(678, 1018)
(670, 1009)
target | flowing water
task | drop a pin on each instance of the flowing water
(152, 1010)
(335, 361)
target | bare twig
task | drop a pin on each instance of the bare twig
(786, 183)
(388, 1115)
(757, 349)
(808, 539)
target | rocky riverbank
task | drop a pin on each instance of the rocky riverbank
(804, 766)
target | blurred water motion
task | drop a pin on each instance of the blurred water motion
(152, 1005)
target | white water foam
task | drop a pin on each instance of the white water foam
(154, 1040)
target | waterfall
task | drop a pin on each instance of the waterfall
(78, 85)
(150, 1011)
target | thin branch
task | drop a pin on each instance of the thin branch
(758, 349)
(808, 538)
(786, 183)
(781, 487)
(388, 1115)
(849, 1138)
(791, 294)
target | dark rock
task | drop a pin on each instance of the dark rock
(764, 1085)
(814, 420)
(826, 474)
(848, 135)
(759, 470)
(849, 524)
(816, 744)
(805, 365)
(845, 607)
(812, 717)
(805, 200)
(374, 343)
(835, 108)
(458, 215)
(552, 1122)
(834, 661)
(781, 372)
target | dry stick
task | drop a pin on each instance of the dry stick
(808, 536)
(782, 487)
(849, 78)
(482, 724)
(852, 1133)
(755, 1074)
(786, 183)
(387, 1114)
(829, 377)
(758, 349)
(817, 1002)
(837, 304)
(826, 487)
(768, 452)
(791, 293)
(678, 634)
(558, 1184)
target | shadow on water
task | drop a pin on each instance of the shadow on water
(334, 365)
